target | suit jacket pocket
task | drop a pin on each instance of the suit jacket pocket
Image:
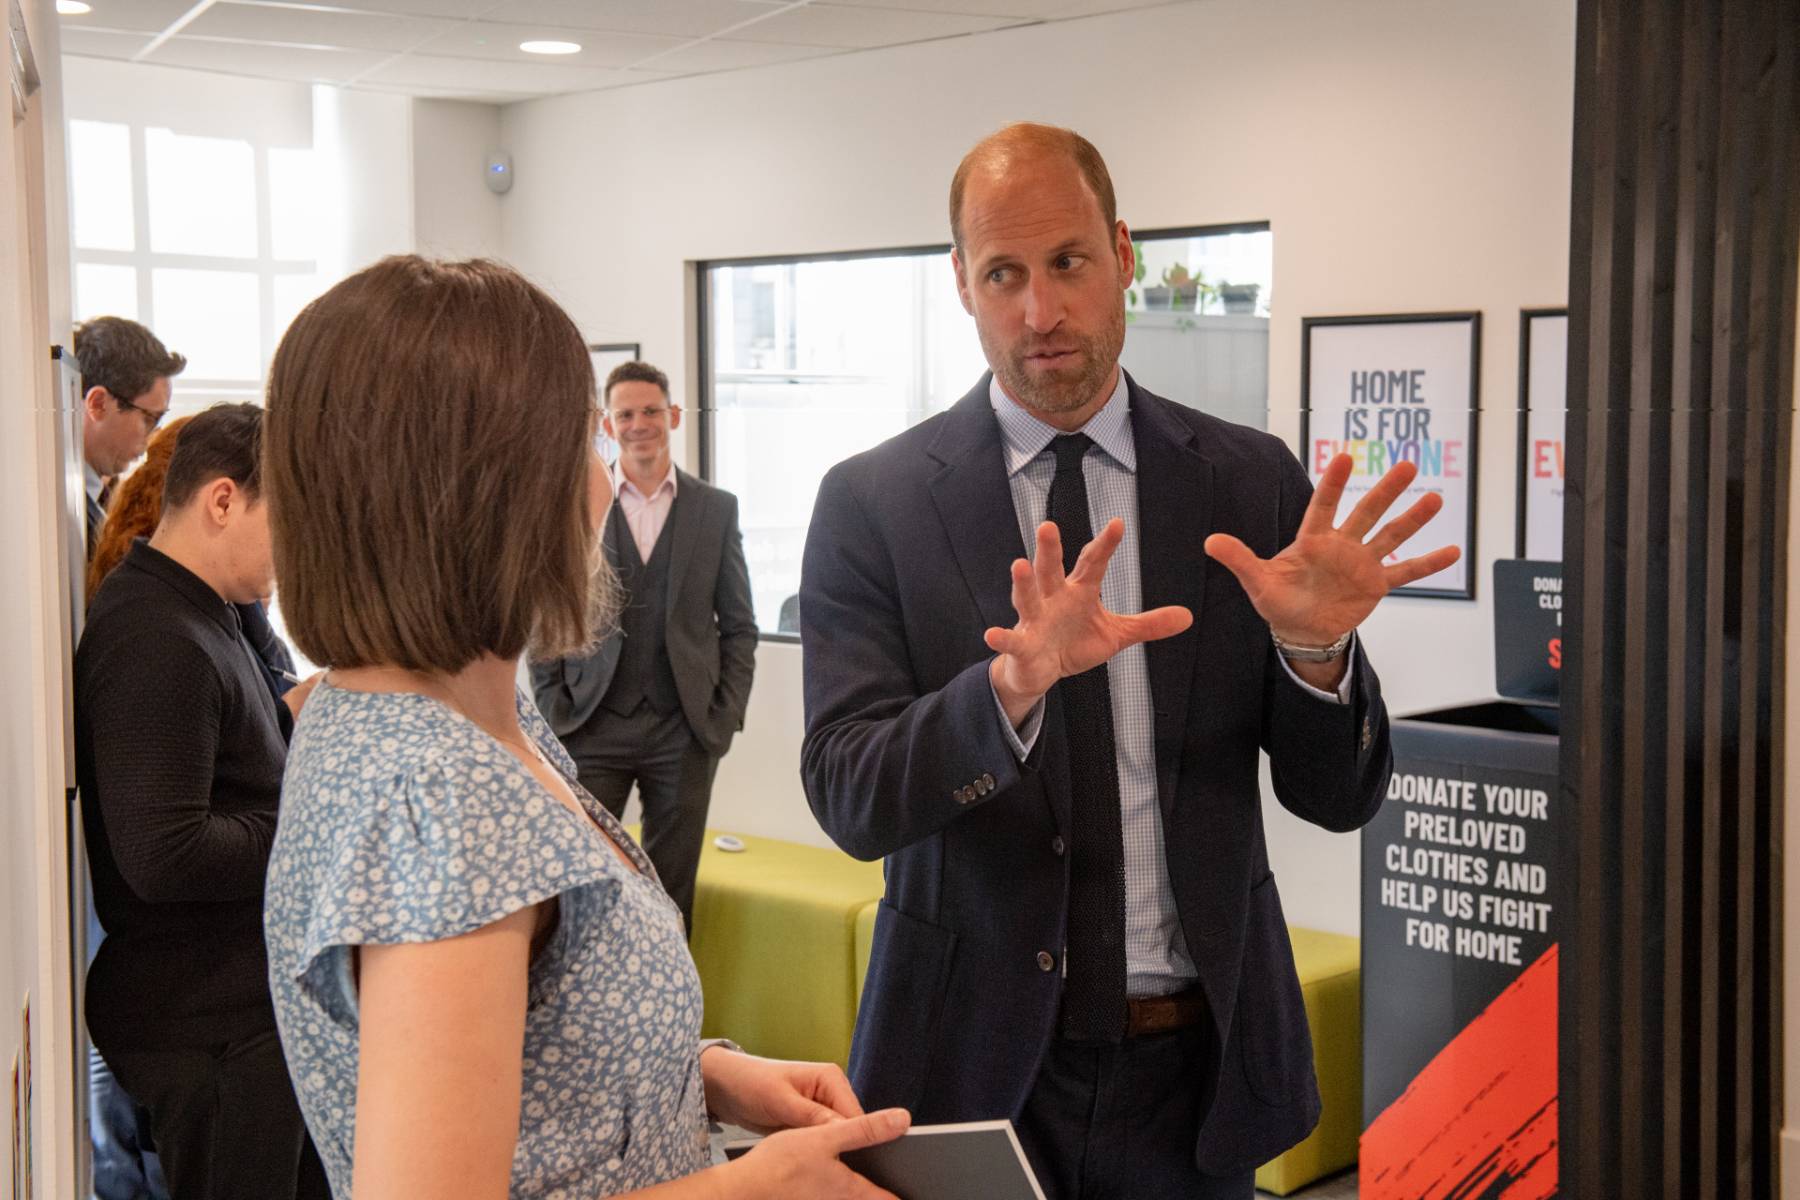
(902, 1001)
(1277, 1042)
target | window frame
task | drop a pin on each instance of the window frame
(705, 408)
(196, 392)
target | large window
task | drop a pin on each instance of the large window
(810, 360)
(210, 241)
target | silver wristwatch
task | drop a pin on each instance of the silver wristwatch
(1294, 653)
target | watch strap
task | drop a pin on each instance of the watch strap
(1298, 653)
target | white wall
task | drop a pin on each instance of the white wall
(454, 214)
(34, 931)
(364, 143)
(192, 102)
(1410, 155)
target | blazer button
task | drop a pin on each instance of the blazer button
(988, 780)
(981, 787)
(965, 795)
(1057, 846)
(1046, 961)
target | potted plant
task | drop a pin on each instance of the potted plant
(1185, 290)
(1156, 296)
(1239, 298)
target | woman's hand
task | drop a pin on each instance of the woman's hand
(804, 1162)
(766, 1094)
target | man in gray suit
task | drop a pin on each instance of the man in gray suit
(657, 703)
(125, 384)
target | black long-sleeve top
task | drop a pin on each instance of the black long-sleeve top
(180, 745)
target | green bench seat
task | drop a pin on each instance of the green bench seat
(1330, 968)
(774, 938)
(782, 936)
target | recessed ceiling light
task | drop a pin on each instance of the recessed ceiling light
(550, 47)
(72, 8)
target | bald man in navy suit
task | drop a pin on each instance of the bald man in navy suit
(1058, 755)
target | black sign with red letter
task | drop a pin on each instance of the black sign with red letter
(1528, 630)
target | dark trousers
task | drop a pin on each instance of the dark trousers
(674, 778)
(226, 1123)
(1118, 1122)
(125, 1162)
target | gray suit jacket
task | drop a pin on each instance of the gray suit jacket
(710, 631)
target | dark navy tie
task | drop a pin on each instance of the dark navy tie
(1093, 1006)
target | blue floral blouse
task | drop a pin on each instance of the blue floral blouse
(402, 821)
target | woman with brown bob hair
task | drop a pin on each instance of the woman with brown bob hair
(482, 989)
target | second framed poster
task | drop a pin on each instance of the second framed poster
(1543, 391)
(1392, 389)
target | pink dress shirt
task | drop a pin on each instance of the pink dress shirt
(645, 515)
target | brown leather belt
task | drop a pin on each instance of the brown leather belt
(1161, 1014)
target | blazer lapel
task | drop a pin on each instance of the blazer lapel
(974, 501)
(682, 527)
(609, 532)
(589, 675)
(1174, 518)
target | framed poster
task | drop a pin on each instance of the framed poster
(1543, 404)
(605, 356)
(1392, 389)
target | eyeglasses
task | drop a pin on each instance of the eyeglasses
(153, 419)
(625, 416)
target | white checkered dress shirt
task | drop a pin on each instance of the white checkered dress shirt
(1156, 955)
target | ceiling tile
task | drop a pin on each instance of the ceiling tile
(1087, 8)
(865, 28)
(465, 94)
(535, 78)
(722, 54)
(458, 10)
(147, 16)
(266, 62)
(102, 43)
(686, 19)
(469, 48)
(316, 27)
(979, 8)
(1043, 9)
(486, 39)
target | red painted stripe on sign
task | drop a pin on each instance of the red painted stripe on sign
(1479, 1122)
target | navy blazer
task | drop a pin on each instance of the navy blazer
(906, 565)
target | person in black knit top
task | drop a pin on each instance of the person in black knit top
(180, 747)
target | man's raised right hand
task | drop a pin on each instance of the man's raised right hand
(1063, 628)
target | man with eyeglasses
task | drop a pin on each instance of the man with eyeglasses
(656, 704)
(125, 374)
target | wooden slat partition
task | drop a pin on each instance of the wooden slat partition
(1685, 238)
